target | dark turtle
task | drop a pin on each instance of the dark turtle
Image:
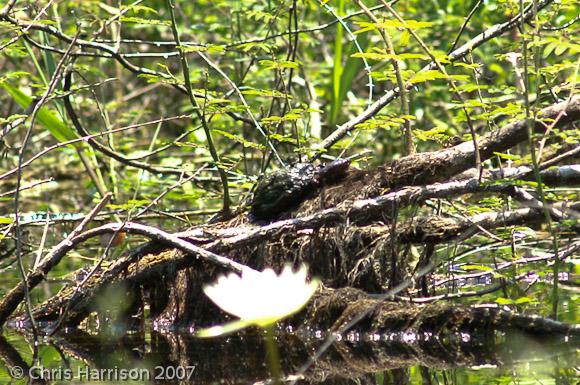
(282, 190)
(333, 172)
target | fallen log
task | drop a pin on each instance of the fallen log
(352, 243)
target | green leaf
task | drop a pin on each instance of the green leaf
(405, 38)
(159, 79)
(406, 24)
(508, 156)
(282, 138)
(382, 56)
(293, 115)
(238, 138)
(210, 48)
(258, 46)
(131, 204)
(560, 49)
(504, 301)
(267, 93)
(6, 27)
(280, 64)
(470, 87)
(337, 96)
(477, 267)
(47, 118)
(140, 8)
(265, 17)
(139, 20)
(523, 300)
(426, 76)
(13, 75)
(6, 220)
(438, 134)
(12, 118)
(549, 48)
(384, 122)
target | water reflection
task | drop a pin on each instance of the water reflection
(178, 358)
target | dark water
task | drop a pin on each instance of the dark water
(153, 357)
(107, 355)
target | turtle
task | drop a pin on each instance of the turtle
(285, 189)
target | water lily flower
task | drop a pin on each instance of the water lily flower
(259, 298)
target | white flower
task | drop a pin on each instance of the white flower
(259, 298)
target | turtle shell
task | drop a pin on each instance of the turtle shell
(333, 171)
(282, 190)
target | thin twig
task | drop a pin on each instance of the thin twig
(15, 296)
(187, 84)
(467, 19)
(441, 68)
(160, 170)
(27, 187)
(35, 110)
(529, 125)
(246, 105)
(7, 8)
(570, 250)
(4, 14)
(405, 110)
(459, 53)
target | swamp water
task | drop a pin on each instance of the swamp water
(78, 357)
(106, 354)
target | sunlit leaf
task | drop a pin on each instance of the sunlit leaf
(46, 117)
(267, 93)
(142, 21)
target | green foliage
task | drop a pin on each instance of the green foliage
(382, 55)
(385, 122)
(142, 21)
(407, 24)
(437, 134)
(279, 65)
(48, 119)
(266, 93)
(265, 77)
(271, 80)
